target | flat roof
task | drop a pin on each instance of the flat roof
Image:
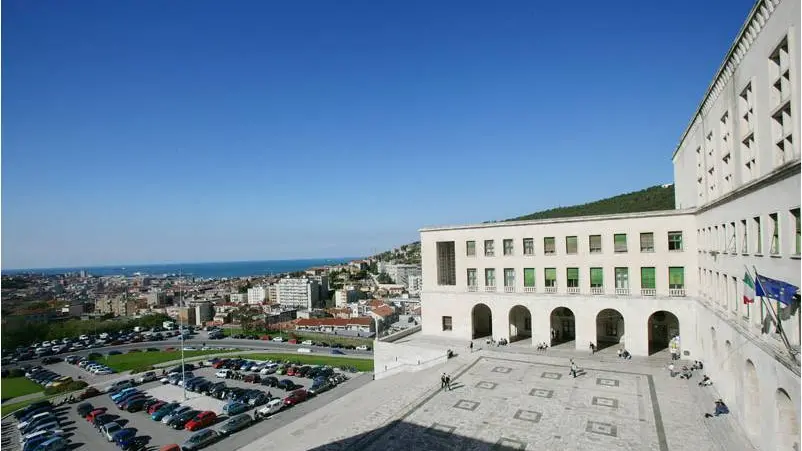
(645, 214)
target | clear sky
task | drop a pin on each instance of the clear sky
(179, 131)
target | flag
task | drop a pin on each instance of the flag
(782, 292)
(749, 289)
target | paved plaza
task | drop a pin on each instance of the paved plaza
(515, 398)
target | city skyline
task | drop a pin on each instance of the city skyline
(267, 131)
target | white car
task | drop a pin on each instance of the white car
(304, 350)
(109, 429)
(278, 339)
(223, 373)
(147, 377)
(361, 348)
(189, 348)
(272, 406)
(307, 342)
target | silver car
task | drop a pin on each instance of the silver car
(235, 424)
(200, 439)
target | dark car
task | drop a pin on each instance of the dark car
(181, 421)
(303, 371)
(84, 409)
(236, 423)
(136, 405)
(270, 381)
(252, 378)
(215, 388)
(286, 384)
(337, 352)
(89, 393)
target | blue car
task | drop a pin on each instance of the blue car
(164, 411)
(122, 393)
(337, 352)
(123, 436)
(235, 408)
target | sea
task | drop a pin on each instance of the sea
(212, 270)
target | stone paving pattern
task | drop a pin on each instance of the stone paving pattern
(513, 398)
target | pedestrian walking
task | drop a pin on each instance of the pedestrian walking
(592, 348)
(573, 368)
(448, 383)
(471, 347)
(443, 381)
(671, 369)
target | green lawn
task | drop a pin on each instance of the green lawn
(302, 335)
(359, 364)
(125, 362)
(18, 386)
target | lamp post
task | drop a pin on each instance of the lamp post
(181, 329)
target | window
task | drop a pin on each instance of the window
(775, 234)
(676, 277)
(674, 241)
(529, 246)
(622, 278)
(471, 277)
(733, 245)
(507, 247)
(647, 242)
(490, 277)
(572, 276)
(446, 263)
(490, 248)
(470, 248)
(782, 121)
(744, 237)
(596, 278)
(529, 277)
(594, 243)
(551, 277)
(797, 231)
(620, 242)
(548, 245)
(716, 237)
(758, 235)
(509, 277)
(447, 325)
(570, 245)
(647, 278)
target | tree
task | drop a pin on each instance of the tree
(384, 278)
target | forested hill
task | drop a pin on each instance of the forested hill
(660, 197)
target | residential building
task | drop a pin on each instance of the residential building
(272, 293)
(344, 295)
(256, 295)
(322, 284)
(155, 298)
(299, 293)
(238, 298)
(414, 284)
(642, 280)
(186, 315)
(400, 273)
(359, 325)
(204, 311)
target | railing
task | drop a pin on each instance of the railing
(596, 290)
(573, 290)
(622, 291)
(473, 288)
(529, 290)
(551, 290)
(509, 289)
(490, 289)
(676, 292)
(648, 291)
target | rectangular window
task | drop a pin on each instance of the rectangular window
(647, 278)
(507, 247)
(529, 246)
(550, 276)
(446, 263)
(548, 245)
(674, 241)
(676, 277)
(622, 278)
(758, 235)
(744, 237)
(509, 277)
(570, 245)
(471, 277)
(572, 276)
(470, 248)
(620, 242)
(447, 323)
(647, 242)
(529, 277)
(595, 244)
(733, 244)
(596, 278)
(490, 277)
(797, 231)
(775, 234)
(490, 248)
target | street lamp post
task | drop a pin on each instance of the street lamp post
(181, 329)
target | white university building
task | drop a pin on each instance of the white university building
(298, 293)
(639, 280)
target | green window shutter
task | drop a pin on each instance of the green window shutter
(572, 273)
(551, 273)
(676, 277)
(647, 278)
(620, 242)
(529, 277)
(596, 277)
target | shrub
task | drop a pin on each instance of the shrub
(16, 372)
(141, 369)
(68, 387)
(94, 356)
(134, 350)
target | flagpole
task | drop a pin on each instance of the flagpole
(775, 316)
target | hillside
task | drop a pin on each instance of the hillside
(649, 199)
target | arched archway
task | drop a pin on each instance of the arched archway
(787, 422)
(609, 328)
(482, 321)
(663, 326)
(752, 399)
(563, 326)
(520, 323)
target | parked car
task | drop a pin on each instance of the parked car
(200, 439)
(235, 424)
(123, 435)
(156, 406)
(272, 406)
(165, 410)
(109, 429)
(150, 376)
(296, 397)
(201, 420)
(84, 409)
(225, 374)
(235, 408)
(90, 392)
(175, 413)
(54, 444)
(337, 352)
(362, 348)
(270, 381)
(180, 421)
(286, 384)
(319, 387)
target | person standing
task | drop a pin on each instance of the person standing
(448, 383)
(573, 368)
(471, 347)
(443, 381)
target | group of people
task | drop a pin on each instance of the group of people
(445, 382)
(624, 354)
(542, 346)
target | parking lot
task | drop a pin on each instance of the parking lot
(84, 435)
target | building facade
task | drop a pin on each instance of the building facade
(298, 293)
(640, 280)
(256, 295)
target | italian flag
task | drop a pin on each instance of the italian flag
(749, 289)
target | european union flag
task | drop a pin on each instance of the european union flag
(778, 290)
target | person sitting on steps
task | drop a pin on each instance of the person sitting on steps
(705, 381)
(721, 409)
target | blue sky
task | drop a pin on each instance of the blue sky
(148, 131)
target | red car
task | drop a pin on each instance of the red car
(97, 412)
(201, 420)
(296, 397)
(218, 364)
(154, 407)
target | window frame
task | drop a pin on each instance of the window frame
(447, 323)
(673, 269)
(625, 272)
(531, 242)
(470, 245)
(468, 273)
(643, 242)
(575, 240)
(590, 244)
(490, 275)
(600, 272)
(546, 245)
(534, 277)
(774, 244)
(490, 251)
(511, 281)
(616, 249)
(654, 277)
(504, 249)
(546, 272)
(568, 279)
(672, 239)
